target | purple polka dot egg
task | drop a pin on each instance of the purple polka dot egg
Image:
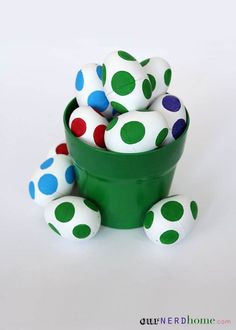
(90, 90)
(170, 220)
(174, 111)
(53, 179)
(159, 74)
(74, 218)
(125, 82)
(136, 131)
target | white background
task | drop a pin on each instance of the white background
(114, 280)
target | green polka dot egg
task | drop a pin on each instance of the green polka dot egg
(159, 74)
(136, 131)
(126, 84)
(170, 220)
(73, 217)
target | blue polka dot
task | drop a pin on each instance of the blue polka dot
(98, 101)
(99, 72)
(171, 103)
(70, 174)
(47, 163)
(32, 190)
(178, 128)
(48, 184)
(79, 82)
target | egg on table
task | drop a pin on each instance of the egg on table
(125, 82)
(173, 109)
(90, 90)
(159, 74)
(170, 220)
(53, 179)
(136, 131)
(59, 149)
(75, 218)
(88, 125)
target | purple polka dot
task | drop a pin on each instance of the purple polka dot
(178, 128)
(171, 103)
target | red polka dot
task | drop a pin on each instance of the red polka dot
(61, 149)
(98, 135)
(78, 127)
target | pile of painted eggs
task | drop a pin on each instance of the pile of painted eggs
(123, 106)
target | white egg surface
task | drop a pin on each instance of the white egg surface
(75, 218)
(173, 109)
(159, 74)
(54, 178)
(136, 131)
(125, 82)
(170, 220)
(90, 90)
(88, 125)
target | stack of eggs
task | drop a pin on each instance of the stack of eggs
(123, 106)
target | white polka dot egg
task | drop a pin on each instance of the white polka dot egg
(170, 220)
(73, 217)
(159, 74)
(90, 89)
(88, 125)
(125, 82)
(173, 109)
(136, 131)
(54, 178)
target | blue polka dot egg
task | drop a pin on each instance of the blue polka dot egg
(173, 109)
(53, 179)
(90, 89)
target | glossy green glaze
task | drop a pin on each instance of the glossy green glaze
(124, 186)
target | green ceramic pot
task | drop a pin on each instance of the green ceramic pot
(124, 186)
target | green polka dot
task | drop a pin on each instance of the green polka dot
(147, 89)
(194, 209)
(145, 62)
(161, 136)
(172, 211)
(167, 77)
(91, 205)
(132, 132)
(53, 228)
(81, 231)
(112, 124)
(148, 220)
(169, 237)
(104, 74)
(152, 81)
(64, 212)
(123, 83)
(126, 56)
(119, 107)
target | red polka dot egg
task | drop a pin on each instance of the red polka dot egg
(136, 131)
(126, 84)
(88, 125)
(75, 218)
(170, 220)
